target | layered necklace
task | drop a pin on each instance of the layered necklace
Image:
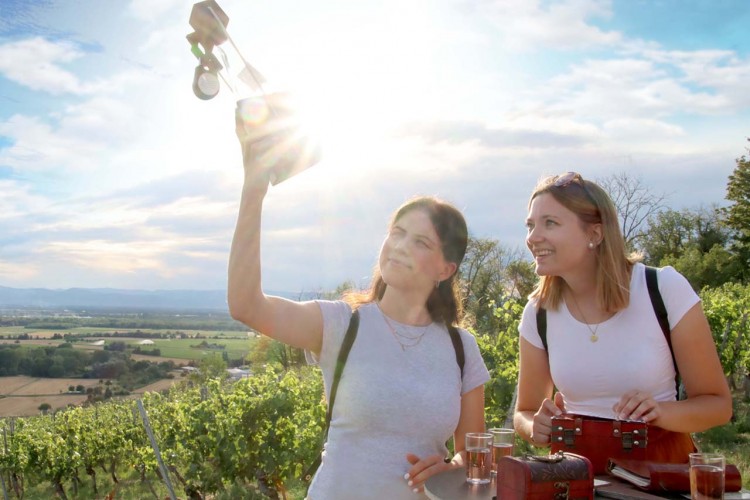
(405, 340)
(594, 337)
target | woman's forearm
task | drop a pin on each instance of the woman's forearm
(523, 422)
(695, 414)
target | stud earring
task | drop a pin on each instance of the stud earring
(591, 245)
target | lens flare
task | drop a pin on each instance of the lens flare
(253, 111)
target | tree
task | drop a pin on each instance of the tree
(702, 269)
(286, 355)
(490, 274)
(523, 276)
(737, 215)
(635, 203)
(669, 232)
(695, 242)
(210, 367)
(44, 408)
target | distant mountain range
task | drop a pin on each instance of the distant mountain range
(118, 299)
(112, 298)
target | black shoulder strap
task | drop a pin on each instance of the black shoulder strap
(541, 325)
(346, 346)
(657, 303)
(458, 346)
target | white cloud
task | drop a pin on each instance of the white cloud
(662, 87)
(37, 63)
(527, 24)
(17, 200)
(37, 146)
(644, 130)
(151, 10)
(722, 72)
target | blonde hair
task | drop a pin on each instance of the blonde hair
(592, 205)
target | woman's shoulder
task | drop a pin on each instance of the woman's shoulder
(667, 277)
(466, 334)
(338, 306)
(336, 314)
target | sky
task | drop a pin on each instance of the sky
(114, 175)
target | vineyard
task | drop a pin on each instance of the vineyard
(250, 436)
(254, 437)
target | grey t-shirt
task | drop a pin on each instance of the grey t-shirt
(390, 402)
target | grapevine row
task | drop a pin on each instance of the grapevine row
(256, 433)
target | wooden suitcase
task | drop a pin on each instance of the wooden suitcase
(599, 439)
(562, 476)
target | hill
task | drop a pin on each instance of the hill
(113, 299)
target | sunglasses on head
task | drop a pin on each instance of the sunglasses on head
(564, 180)
(568, 178)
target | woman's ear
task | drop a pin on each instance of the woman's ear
(448, 269)
(595, 234)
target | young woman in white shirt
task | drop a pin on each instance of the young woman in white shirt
(606, 354)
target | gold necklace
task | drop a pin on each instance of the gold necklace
(594, 337)
(411, 341)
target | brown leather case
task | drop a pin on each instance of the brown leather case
(559, 476)
(668, 477)
(599, 439)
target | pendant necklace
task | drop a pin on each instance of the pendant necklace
(410, 341)
(594, 337)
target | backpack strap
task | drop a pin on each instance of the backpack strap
(541, 325)
(346, 346)
(657, 303)
(458, 346)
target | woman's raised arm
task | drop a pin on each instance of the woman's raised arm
(299, 324)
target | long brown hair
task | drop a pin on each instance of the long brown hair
(444, 303)
(592, 205)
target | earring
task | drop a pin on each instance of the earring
(591, 245)
(437, 285)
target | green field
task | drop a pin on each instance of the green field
(236, 346)
(188, 348)
(14, 331)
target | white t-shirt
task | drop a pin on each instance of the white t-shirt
(631, 352)
(390, 402)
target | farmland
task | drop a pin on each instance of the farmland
(155, 340)
(22, 395)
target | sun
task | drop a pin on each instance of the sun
(354, 82)
(357, 85)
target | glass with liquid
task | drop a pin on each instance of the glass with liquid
(706, 476)
(478, 457)
(502, 445)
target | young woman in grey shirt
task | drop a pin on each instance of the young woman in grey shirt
(402, 395)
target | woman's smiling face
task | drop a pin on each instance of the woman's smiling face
(556, 237)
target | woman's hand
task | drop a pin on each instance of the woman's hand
(637, 405)
(423, 469)
(542, 423)
(259, 143)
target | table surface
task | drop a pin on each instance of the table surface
(452, 485)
